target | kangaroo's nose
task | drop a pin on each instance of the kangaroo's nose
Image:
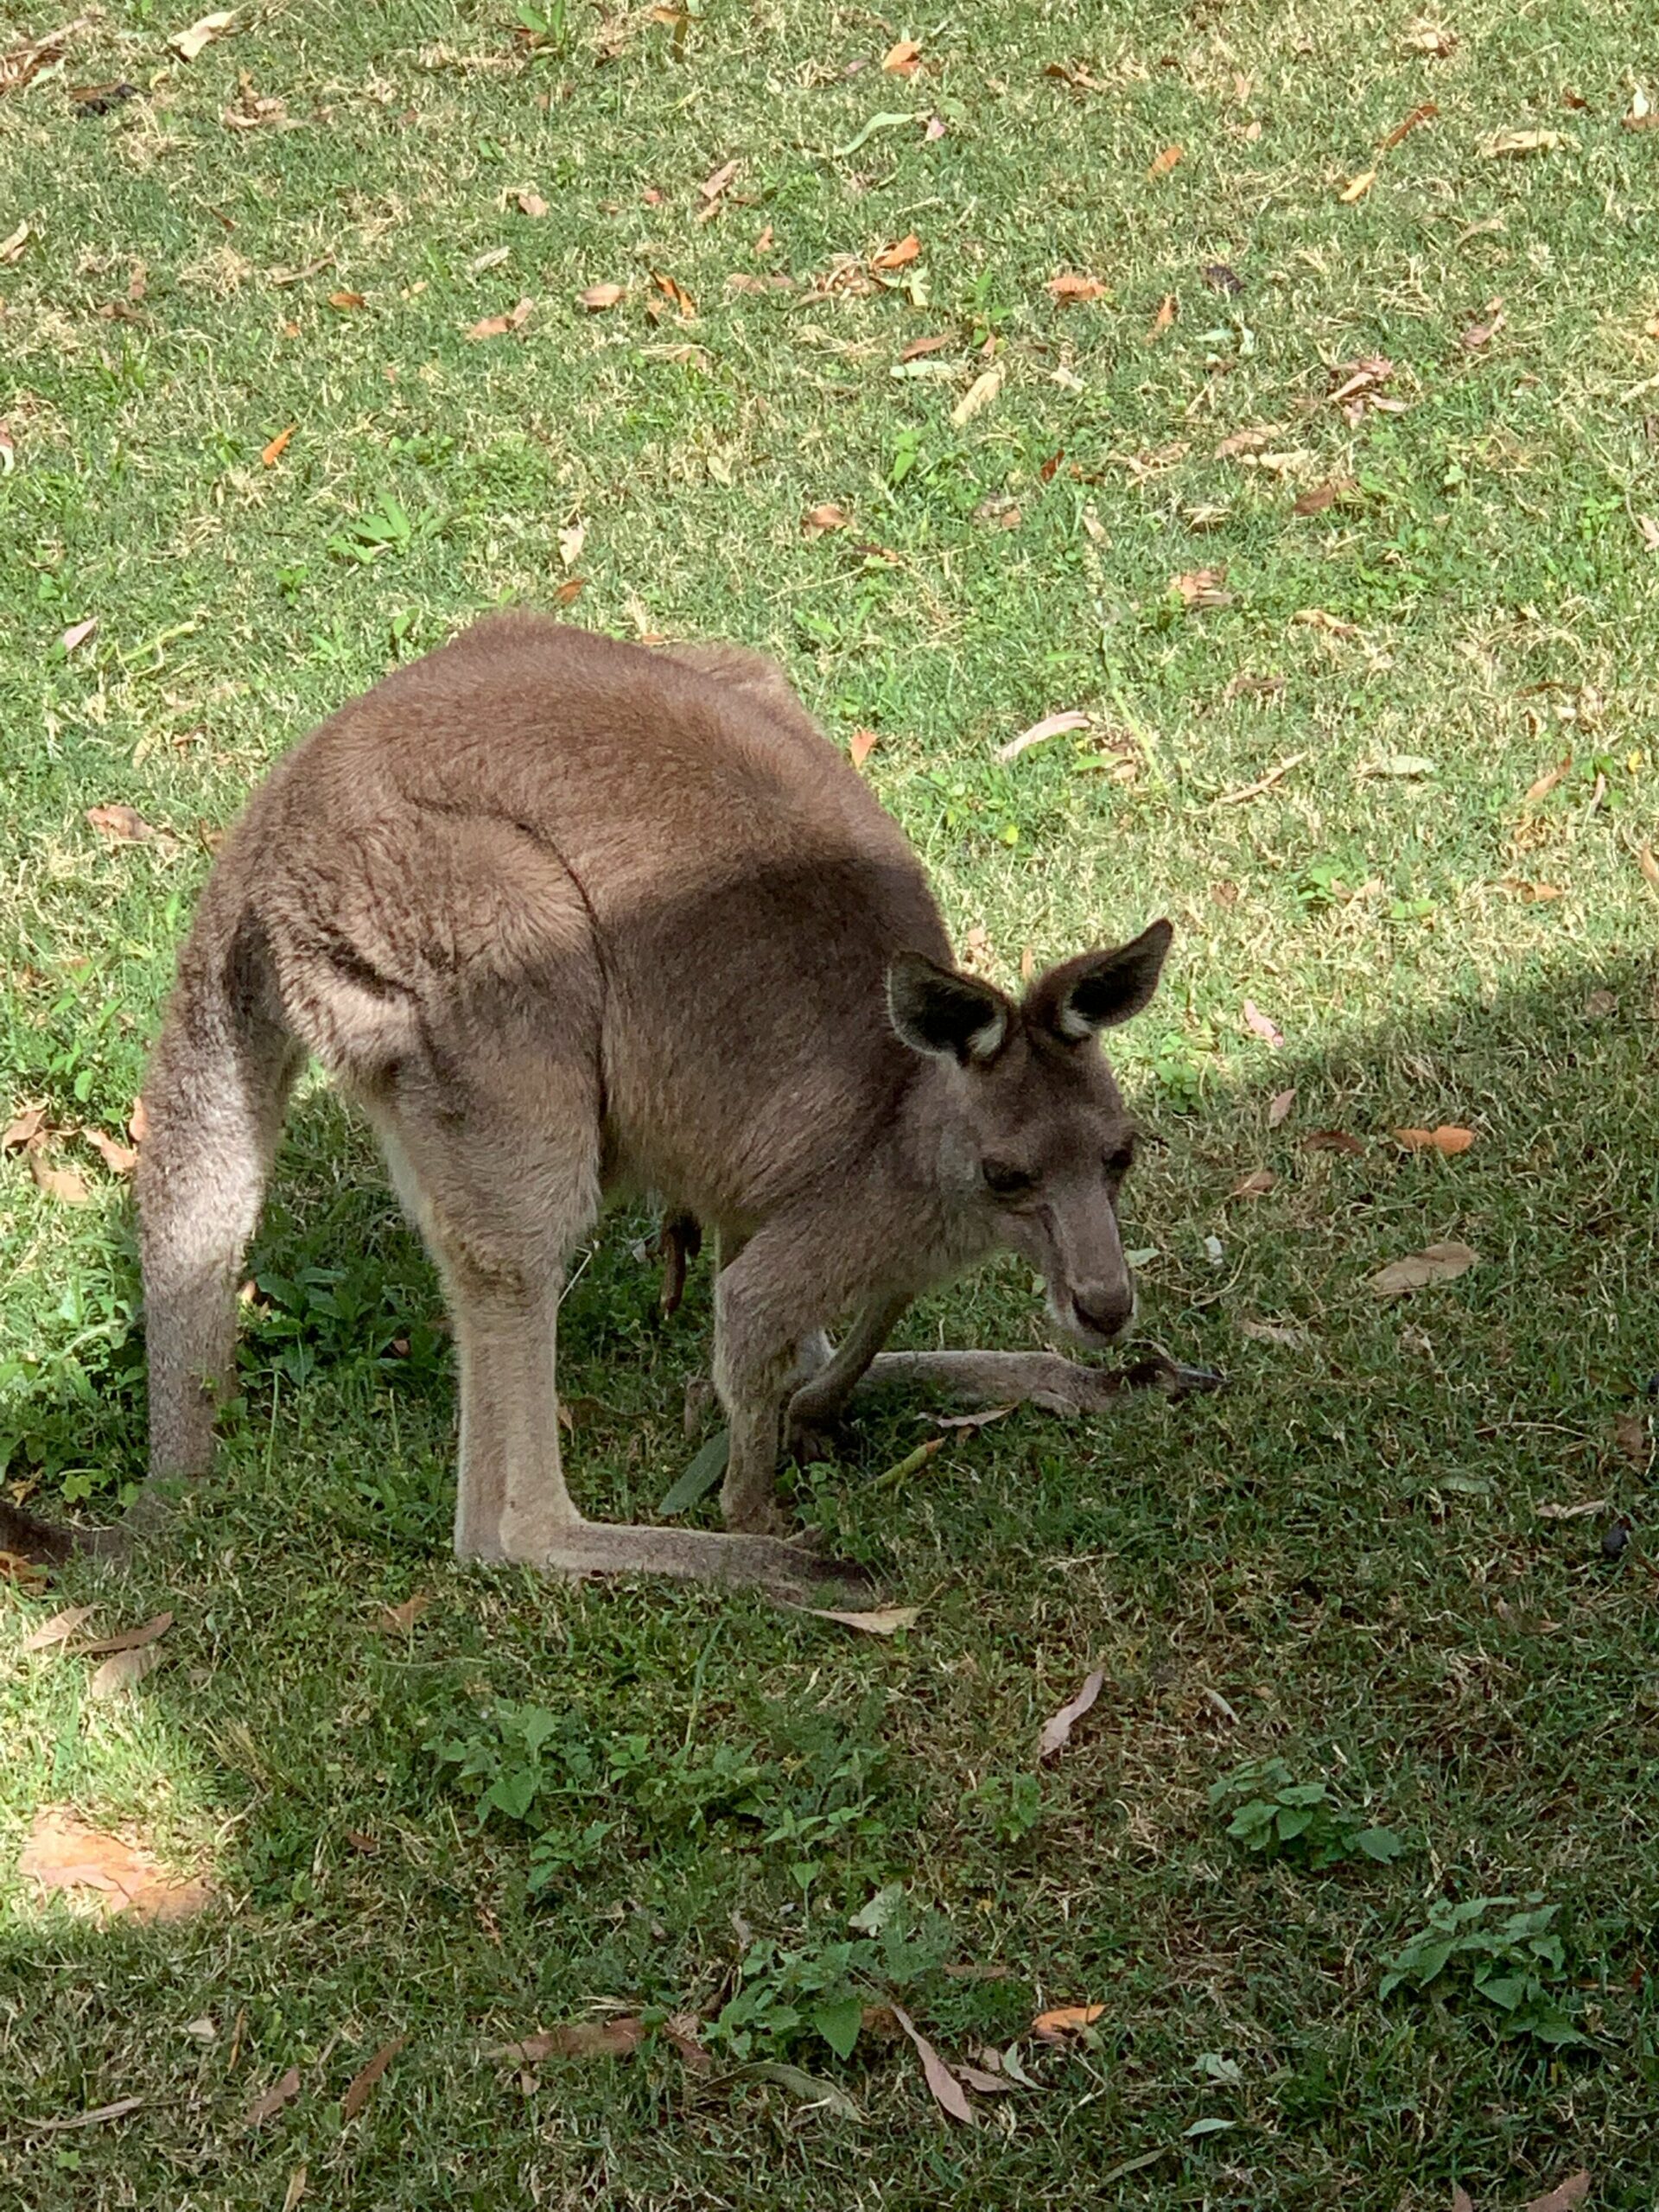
(1105, 1309)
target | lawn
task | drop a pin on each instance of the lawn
(1324, 492)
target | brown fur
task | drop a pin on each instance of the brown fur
(569, 917)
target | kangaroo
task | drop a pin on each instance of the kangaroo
(570, 916)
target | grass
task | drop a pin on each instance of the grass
(1340, 1566)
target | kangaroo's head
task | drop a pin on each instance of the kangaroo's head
(1034, 1136)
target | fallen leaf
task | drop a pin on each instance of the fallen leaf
(1426, 113)
(24, 63)
(1059, 1726)
(1072, 285)
(572, 538)
(77, 634)
(978, 397)
(918, 346)
(1356, 187)
(254, 111)
(1333, 1141)
(618, 2038)
(1429, 38)
(1051, 725)
(531, 203)
(63, 1853)
(1278, 1106)
(1164, 163)
(1503, 144)
(60, 1182)
(282, 2091)
(884, 1620)
(347, 300)
(1447, 1139)
(1631, 1438)
(1564, 2195)
(357, 2093)
(401, 1619)
(1275, 1333)
(30, 1575)
(1316, 618)
(137, 1121)
(58, 1629)
(122, 825)
(980, 2078)
(1648, 526)
(1643, 115)
(901, 60)
(1167, 311)
(188, 44)
(1066, 2023)
(571, 589)
(119, 1159)
(676, 294)
(278, 446)
(982, 1419)
(1648, 865)
(1462, 2201)
(712, 187)
(598, 297)
(12, 247)
(943, 2085)
(497, 326)
(123, 1672)
(897, 257)
(8, 449)
(1435, 1263)
(1261, 1024)
(1256, 1185)
(96, 2117)
(818, 520)
(861, 745)
(1202, 588)
(934, 128)
(23, 1129)
(1542, 786)
(127, 1639)
(1251, 441)
(1477, 334)
(1551, 1512)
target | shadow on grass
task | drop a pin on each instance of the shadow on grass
(1342, 1562)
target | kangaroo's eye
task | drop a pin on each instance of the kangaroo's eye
(1004, 1180)
(1119, 1162)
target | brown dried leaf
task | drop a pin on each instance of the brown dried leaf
(1065, 2023)
(1260, 1024)
(1508, 144)
(943, 2086)
(188, 44)
(119, 1159)
(63, 1853)
(77, 634)
(1256, 1185)
(1648, 865)
(1564, 2195)
(29, 1574)
(1202, 588)
(1418, 1270)
(1552, 1512)
(1164, 163)
(347, 301)
(531, 203)
(357, 2093)
(898, 256)
(1278, 1106)
(1333, 1141)
(1447, 1139)
(1072, 285)
(1542, 786)
(23, 1129)
(1429, 38)
(1631, 1438)
(989, 1413)
(1356, 187)
(599, 297)
(818, 520)
(1316, 618)
(60, 1182)
(278, 446)
(497, 326)
(1643, 114)
(618, 2038)
(571, 589)
(122, 825)
(282, 2091)
(712, 187)
(58, 1629)
(13, 245)
(861, 745)
(676, 294)
(1251, 441)
(137, 1121)
(1057, 1729)
(918, 346)
(1462, 2201)
(1058, 725)
(400, 1619)
(1426, 113)
(1321, 497)
(127, 1639)
(1167, 310)
(1481, 334)
(124, 1672)
(978, 397)
(902, 59)
(881, 1620)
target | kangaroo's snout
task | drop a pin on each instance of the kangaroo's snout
(1104, 1310)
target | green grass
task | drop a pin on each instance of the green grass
(1339, 1564)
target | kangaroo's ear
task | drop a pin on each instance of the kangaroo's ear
(951, 1016)
(1098, 989)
